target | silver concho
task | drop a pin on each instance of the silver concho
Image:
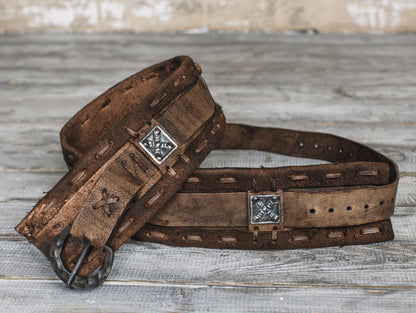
(158, 144)
(265, 209)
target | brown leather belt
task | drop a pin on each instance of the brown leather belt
(347, 202)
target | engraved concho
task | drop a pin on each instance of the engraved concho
(158, 144)
(265, 209)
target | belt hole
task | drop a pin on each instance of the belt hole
(349, 208)
(369, 173)
(227, 180)
(298, 177)
(312, 211)
(381, 202)
(192, 238)
(329, 148)
(366, 206)
(340, 150)
(156, 234)
(331, 210)
(336, 235)
(105, 103)
(78, 177)
(333, 175)
(370, 231)
(316, 146)
(301, 144)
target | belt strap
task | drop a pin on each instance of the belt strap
(152, 132)
(346, 202)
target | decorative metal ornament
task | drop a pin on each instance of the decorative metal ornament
(265, 209)
(158, 145)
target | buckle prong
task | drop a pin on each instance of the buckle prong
(81, 258)
(72, 279)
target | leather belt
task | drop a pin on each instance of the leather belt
(153, 131)
(347, 202)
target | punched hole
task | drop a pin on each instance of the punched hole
(392, 200)
(301, 144)
(331, 210)
(329, 148)
(312, 211)
(349, 208)
(340, 150)
(366, 206)
(381, 202)
(316, 146)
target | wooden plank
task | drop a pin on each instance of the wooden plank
(49, 296)
(389, 264)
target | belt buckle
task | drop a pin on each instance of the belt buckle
(71, 279)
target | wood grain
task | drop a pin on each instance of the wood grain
(361, 87)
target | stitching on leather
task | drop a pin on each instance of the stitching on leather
(192, 238)
(172, 172)
(185, 158)
(227, 180)
(370, 231)
(104, 150)
(333, 175)
(154, 198)
(228, 239)
(368, 173)
(201, 146)
(298, 177)
(193, 180)
(78, 177)
(124, 226)
(131, 132)
(157, 101)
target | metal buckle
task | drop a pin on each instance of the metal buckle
(71, 279)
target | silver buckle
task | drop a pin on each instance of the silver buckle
(265, 209)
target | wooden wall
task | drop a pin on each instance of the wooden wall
(326, 16)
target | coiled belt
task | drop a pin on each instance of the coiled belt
(134, 153)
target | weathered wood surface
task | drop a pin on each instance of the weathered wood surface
(361, 87)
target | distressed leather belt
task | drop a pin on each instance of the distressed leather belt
(347, 202)
(152, 131)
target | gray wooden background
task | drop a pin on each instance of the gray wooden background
(361, 87)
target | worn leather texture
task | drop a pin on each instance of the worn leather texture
(115, 190)
(346, 202)
(118, 185)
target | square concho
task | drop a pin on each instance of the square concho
(158, 144)
(264, 209)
